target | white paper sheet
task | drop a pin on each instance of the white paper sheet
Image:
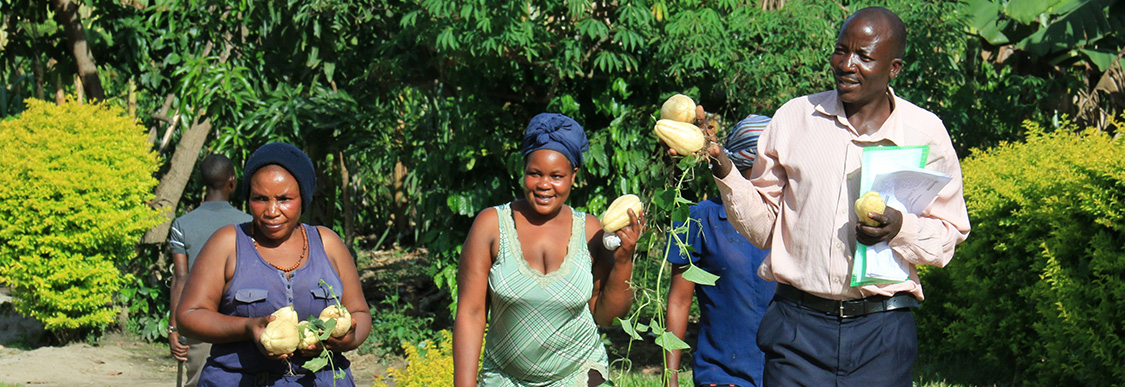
(909, 190)
(896, 174)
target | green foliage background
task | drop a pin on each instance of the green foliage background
(412, 111)
(1035, 294)
(72, 206)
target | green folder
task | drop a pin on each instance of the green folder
(876, 160)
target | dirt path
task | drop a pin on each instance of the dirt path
(118, 360)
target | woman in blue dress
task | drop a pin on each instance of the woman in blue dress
(246, 272)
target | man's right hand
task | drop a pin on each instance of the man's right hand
(713, 148)
(179, 350)
(721, 165)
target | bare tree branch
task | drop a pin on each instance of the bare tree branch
(168, 132)
(161, 115)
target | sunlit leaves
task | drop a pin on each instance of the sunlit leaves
(447, 40)
(593, 28)
(75, 190)
(1045, 250)
(627, 326)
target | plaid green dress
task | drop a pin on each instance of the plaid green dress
(541, 331)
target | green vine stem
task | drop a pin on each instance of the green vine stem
(325, 331)
(670, 200)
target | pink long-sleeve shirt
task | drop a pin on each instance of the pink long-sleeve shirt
(799, 200)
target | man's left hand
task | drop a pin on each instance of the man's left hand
(890, 222)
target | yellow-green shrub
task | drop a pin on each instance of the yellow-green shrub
(73, 187)
(1035, 295)
(430, 366)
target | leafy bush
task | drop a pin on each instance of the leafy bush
(430, 364)
(146, 299)
(72, 206)
(1035, 295)
(392, 328)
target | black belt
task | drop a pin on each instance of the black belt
(847, 308)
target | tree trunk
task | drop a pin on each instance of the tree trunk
(40, 78)
(132, 107)
(66, 15)
(400, 202)
(60, 95)
(349, 208)
(172, 185)
(773, 5)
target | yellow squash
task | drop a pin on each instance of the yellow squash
(343, 319)
(280, 337)
(678, 107)
(309, 335)
(869, 202)
(617, 215)
(685, 138)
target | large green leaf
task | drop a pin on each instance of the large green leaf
(1026, 11)
(1088, 23)
(627, 326)
(700, 276)
(985, 20)
(670, 342)
(1100, 59)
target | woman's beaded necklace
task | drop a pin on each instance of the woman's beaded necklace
(304, 251)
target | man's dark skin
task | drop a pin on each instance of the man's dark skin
(223, 192)
(867, 55)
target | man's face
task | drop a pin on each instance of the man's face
(864, 62)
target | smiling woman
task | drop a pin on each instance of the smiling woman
(246, 272)
(541, 267)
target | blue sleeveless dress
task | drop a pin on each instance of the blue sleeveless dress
(258, 289)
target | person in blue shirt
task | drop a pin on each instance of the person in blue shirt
(725, 353)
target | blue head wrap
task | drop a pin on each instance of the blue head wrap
(289, 157)
(555, 132)
(742, 141)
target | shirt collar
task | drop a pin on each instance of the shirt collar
(722, 209)
(830, 105)
(215, 205)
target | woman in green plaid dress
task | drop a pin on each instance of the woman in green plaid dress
(535, 270)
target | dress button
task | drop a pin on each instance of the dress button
(839, 246)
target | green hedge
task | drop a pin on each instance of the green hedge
(72, 207)
(1035, 295)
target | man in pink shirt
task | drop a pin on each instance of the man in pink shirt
(798, 202)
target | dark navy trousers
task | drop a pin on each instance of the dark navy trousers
(805, 347)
